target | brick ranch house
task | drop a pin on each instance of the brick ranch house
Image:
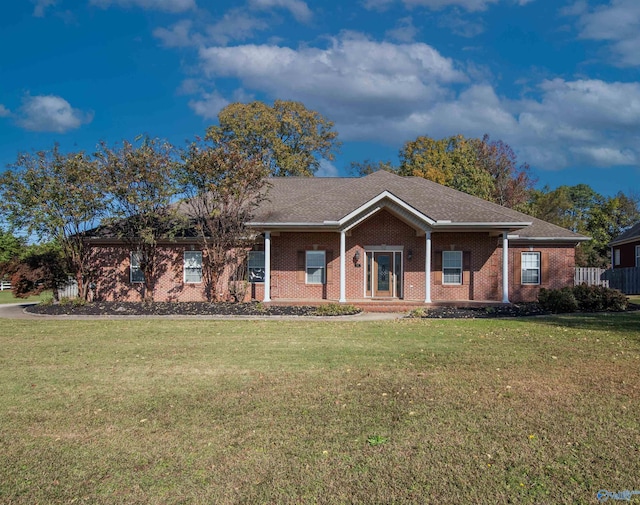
(625, 249)
(360, 239)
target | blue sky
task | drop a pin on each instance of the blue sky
(557, 80)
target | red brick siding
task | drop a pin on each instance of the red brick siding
(560, 270)
(483, 282)
(284, 265)
(113, 281)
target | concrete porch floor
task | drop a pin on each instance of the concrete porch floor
(390, 304)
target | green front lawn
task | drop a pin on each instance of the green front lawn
(7, 297)
(545, 410)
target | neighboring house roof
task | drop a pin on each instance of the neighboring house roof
(303, 202)
(631, 235)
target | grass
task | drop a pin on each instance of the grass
(545, 410)
(7, 297)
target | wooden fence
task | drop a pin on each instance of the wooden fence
(5, 285)
(626, 280)
(591, 276)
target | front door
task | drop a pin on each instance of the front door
(384, 274)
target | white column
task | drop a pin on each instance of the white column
(267, 266)
(343, 267)
(505, 268)
(427, 269)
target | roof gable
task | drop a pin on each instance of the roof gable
(338, 202)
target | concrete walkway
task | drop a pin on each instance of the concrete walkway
(16, 311)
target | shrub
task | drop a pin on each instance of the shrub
(615, 300)
(557, 300)
(584, 298)
(336, 309)
(418, 313)
(589, 298)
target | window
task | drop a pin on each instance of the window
(616, 257)
(255, 266)
(452, 267)
(135, 273)
(638, 255)
(192, 267)
(315, 267)
(530, 268)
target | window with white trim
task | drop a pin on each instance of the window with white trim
(451, 267)
(638, 255)
(616, 257)
(192, 267)
(256, 266)
(135, 272)
(316, 267)
(530, 268)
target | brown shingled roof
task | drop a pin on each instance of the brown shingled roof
(313, 201)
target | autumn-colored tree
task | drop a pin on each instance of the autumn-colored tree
(452, 161)
(55, 197)
(224, 185)
(289, 138)
(36, 269)
(512, 184)
(140, 180)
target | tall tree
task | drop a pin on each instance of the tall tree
(10, 246)
(288, 137)
(480, 167)
(512, 184)
(55, 197)
(224, 185)
(141, 183)
(451, 161)
(583, 210)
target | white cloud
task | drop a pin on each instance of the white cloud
(618, 23)
(209, 106)
(377, 5)
(4, 112)
(589, 122)
(41, 6)
(178, 35)
(161, 5)
(50, 113)
(298, 9)
(469, 5)
(236, 24)
(353, 75)
(327, 169)
(603, 156)
(391, 93)
(404, 31)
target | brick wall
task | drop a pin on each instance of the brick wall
(482, 278)
(112, 278)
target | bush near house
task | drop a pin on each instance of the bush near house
(582, 298)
